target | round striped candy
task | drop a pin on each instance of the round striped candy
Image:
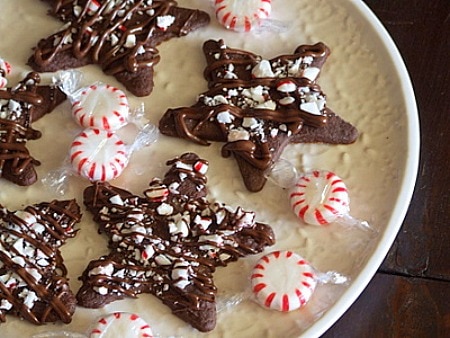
(101, 106)
(319, 198)
(5, 69)
(3, 82)
(98, 155)
(283, 281)
(121, 324)
(242, 15)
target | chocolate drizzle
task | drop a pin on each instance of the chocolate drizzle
(33, 282)
(120, 36)
(168, 243)
(255, 106)
(19, 107)
(219, 57)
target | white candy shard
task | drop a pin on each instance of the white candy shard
(28, 218)
(164, 209)
(116, 199)
(148, 252)
(311, 73)
(225, 117)
(286, 86)
(287, 100)
(102, 270)
(263, 69)
(130, 42)
(239, 134)
(180, 274)
(165, 21)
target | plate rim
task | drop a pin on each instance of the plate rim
(407, 186)
(407, 183)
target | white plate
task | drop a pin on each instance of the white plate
(366, 83)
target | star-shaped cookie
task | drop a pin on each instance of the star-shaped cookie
(258, 106)
(20, 106)
(33, 283)
(168, 242)
(119, 35)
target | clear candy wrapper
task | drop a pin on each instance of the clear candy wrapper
(116, 324)
(247, 15)
(121, 324)
(98, 155)
(282, 281)
(100, 152)
(98, 105)
(59, 334)
(317, 197)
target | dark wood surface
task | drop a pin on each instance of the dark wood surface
(410, 294)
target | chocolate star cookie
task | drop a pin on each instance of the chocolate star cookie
(119, 35)
(20, 106)
(258, 106)
(168, 242)
(33, 283)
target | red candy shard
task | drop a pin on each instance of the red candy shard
(169, 248)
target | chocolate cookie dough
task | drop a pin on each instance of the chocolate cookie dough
(168, 242)
(33, 283)
(20, 106)
(258, 106)
(120, 36)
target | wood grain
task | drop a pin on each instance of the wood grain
(410, 294)
(395, 306)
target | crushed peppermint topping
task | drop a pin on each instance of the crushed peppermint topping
(31, 268)
(165, 21)
(225, 117)
(176, 243)
(116, 32)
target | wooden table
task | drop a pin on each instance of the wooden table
(410, 294)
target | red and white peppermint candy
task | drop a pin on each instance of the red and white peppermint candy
(121, 324)
(93, 7)
(3, 82)
(157, 193)
(319, 198)
(242, 15)
(5, 67)
(283, 281)
(101, 106)
(98, 155)
(201, 167)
